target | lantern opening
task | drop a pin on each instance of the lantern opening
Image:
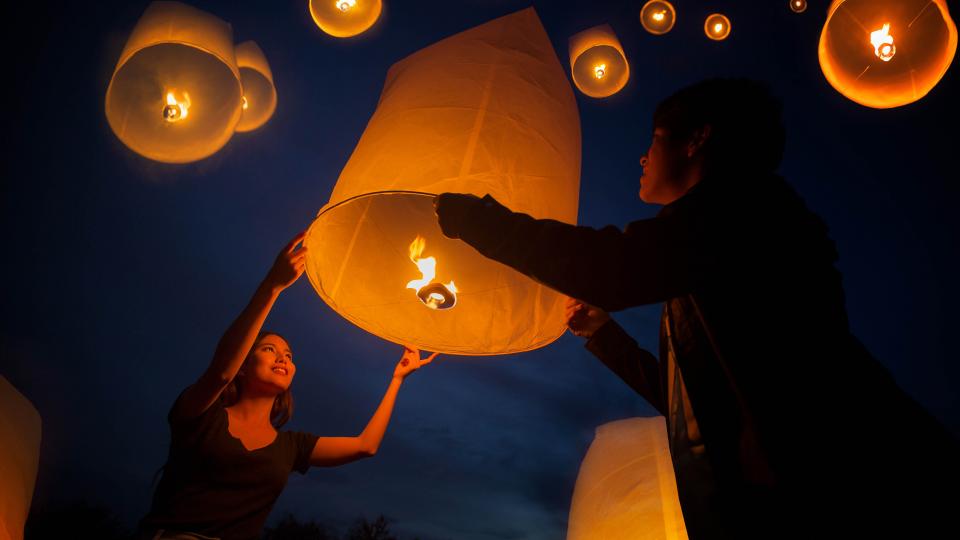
(434, 295)
(798, 6)
(882, 43)
(176, 110)
(346, 5)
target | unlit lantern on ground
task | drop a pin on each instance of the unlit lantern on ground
(597, 62)
(886, 53)
(175, 95)
(259, 94)
(488, 110)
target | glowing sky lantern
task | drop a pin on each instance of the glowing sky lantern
(597, 62)
(798, 6)
(658, 16)
(489, 110)
(20, 431)
(259, 94)
(345, 18)
(175, 95)
(886, 53)
(717, 27)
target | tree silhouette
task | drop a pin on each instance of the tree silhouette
(289, 528)
(74, 519)
(362, 529)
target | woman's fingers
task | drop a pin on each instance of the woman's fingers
(429, 359)
(296, 240)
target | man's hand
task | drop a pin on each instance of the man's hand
(452, 210)
(583, 319)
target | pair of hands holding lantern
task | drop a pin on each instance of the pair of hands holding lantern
(583, 319)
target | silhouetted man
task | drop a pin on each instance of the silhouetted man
(781, 423)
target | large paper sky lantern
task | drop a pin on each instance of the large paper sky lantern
(488, 110)
(626, 489)
(597, 62)
(19, 458)
(345, 18)
(658, 16)
(716, 26)
(259, 94)
(886, 53)
(175, 95)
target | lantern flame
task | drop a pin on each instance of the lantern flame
(244, 103)
(346, 5)
(599, 70)
(882, 43)
(433, 297)
(176, 110)
(717, 28)
(660, 15)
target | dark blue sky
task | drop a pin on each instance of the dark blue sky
(120, 274)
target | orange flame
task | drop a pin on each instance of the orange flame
(428, 271)
(882, 43)
(176, 110)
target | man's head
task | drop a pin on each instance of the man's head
(718, 127)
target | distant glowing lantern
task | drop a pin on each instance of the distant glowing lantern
(626, 488)
(488, 110)
(798, 6)
(597, 62)
(259, 95)
(20, 431)
(175, 95)
(345, 18)
(886, 53)
(658, 16)
(717, 27)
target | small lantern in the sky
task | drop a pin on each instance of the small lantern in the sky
(259, 94)
(717, 27)
(175, 95)
(597, 62)
(886, 53)
(658, 16)
(489, 110)
(345, 18)
(798, 6)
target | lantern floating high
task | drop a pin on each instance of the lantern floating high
(658, 16)
(798, 6)
(717, 27)
(175, 95)
(886, 53)
(259, 94)
(488, 110)
(597, 62)
(345, 18)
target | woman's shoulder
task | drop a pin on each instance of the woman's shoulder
(177, 417)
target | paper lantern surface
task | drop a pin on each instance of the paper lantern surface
(886, 53)
(597, 62)
(717, 26)
(658, 16)
(259, 94)
(19, 459)
(175, 94)
(626, 489)
(345, 18)
(488, 110)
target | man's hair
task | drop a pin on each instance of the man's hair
(746, 126)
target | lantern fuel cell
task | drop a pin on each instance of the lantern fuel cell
(499, 118)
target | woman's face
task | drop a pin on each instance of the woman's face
(270, 364)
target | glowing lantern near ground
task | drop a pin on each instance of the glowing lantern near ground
(717, 27)
(597, 62)
(20, 431)
(798, 6)
(886, 53)
(259, 94)
(488, 110)
(626, 488)
(658, 16)
(175, 94)
(345, 18)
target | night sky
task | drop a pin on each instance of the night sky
(120, 274)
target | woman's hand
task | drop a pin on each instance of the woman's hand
(410, 362)
(289, 265)
(584, 319)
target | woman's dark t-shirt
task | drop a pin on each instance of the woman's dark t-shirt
(213, 485)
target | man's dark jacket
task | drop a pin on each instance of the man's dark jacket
(793, 411)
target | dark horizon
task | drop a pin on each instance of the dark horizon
(123, 273)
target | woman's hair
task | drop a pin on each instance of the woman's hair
(283, 404)
(747, 133)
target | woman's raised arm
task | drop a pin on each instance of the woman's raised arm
(333, 451)
(239, 337)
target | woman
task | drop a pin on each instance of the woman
(228, 460)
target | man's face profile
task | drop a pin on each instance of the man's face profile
(663, 166)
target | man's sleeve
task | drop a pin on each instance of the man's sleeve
(651, 261)
(635, 366)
